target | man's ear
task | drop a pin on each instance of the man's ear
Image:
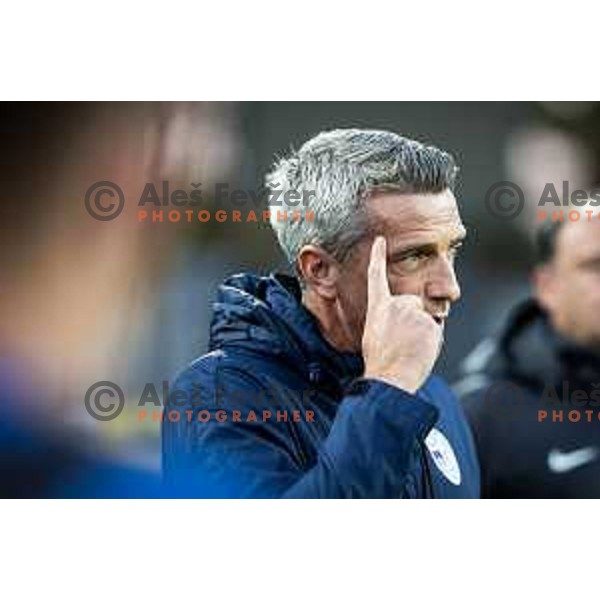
(543, 281)
(319, 270)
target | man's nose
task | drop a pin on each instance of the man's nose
(442, 284)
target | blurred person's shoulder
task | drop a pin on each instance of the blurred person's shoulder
(502, 377)
(41, 463)
(476, 376)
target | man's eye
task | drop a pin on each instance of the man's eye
(412, 261)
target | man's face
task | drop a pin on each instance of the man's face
(569, 286)
(423, 233)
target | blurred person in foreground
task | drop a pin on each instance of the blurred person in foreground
(67, 286)
(330, 371)
(532, 394)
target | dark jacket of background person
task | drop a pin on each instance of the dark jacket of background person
(527, 369)
(367, 439)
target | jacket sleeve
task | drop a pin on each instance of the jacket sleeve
(371, 451)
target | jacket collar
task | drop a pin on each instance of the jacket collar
(531, 349)
(266, 314)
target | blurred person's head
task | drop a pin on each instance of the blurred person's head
(81, 289)
(566, 279)
(369, 183)
(69, 275)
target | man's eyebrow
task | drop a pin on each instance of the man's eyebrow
(462, 235)
(412, 249)
(425, 248)
(459, 238)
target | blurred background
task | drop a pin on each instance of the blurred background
(86, 300)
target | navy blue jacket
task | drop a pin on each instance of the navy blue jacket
(366, 439)
(508, 379)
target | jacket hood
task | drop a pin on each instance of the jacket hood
(530, 350)
(266, 315)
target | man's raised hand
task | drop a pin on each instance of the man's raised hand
(401, 342)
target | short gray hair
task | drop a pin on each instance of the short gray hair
(340, 169)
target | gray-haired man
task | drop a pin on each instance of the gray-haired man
(320, 386)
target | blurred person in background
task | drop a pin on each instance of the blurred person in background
(532, 394)
(352, 340)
